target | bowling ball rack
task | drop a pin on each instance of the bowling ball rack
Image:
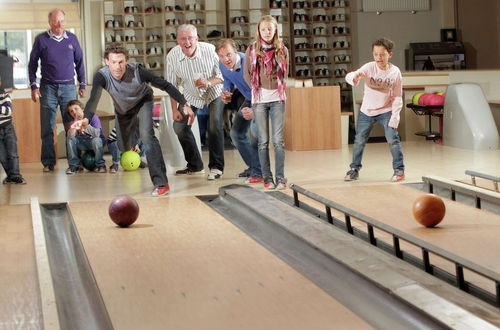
(430, 111)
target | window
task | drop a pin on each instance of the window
(18, 44)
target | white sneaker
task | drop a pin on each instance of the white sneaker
(214, 174)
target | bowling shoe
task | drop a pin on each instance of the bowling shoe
(160, 191)
(351, 175)
(399, 175)
(214, 174)
(113, 168)
(269, 184)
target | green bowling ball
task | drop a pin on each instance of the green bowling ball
(130, 160)
(88, 160)
(416, 97)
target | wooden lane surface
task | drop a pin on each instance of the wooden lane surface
(465, 231)
(20, 306)
(183, 266)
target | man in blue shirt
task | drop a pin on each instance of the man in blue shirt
(231, 65)
(60, 56)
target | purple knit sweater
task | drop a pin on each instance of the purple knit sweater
(59, 60)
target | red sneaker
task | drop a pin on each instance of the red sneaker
(160, 191)
(254, 179)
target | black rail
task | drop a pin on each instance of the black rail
(458, 279)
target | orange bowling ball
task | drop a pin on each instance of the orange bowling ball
(429, 210)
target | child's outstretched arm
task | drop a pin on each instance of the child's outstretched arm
(397, 102)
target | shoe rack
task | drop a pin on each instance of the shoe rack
(322, 44)
(243, 16)
(316, 32)
(148, 28)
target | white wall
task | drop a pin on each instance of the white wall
(400, 27)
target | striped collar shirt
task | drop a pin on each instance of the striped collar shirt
(181, 70)
(57, 38)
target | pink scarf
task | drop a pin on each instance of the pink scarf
(270, 63)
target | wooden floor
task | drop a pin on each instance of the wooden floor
(310, 169)
(182, 263)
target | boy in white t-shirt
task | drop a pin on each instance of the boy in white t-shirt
(382, 103)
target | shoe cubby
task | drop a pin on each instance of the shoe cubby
(321, 31)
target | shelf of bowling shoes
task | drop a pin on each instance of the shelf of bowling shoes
(342, 62)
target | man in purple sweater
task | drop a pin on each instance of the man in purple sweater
(60, 56)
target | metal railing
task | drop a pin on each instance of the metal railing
(427, 249)
(474, 174)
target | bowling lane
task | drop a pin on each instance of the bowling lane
(465, 231)
(183, 266)
(20, 306)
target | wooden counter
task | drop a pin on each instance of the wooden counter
(313, 118)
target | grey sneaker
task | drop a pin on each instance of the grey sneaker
(281, 185)
(100, 169)
(351, 175)
(48, 168)
(214, 174)
(113, 168)
(188, 171)
(399, 175)
(72, 170)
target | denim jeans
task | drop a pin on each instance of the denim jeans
(244, 135)
(53, 95)
(8, 151)
(78, 143)
(275, 111)
(114, 151)
(363, 129)
(215, 139)
(141, 116)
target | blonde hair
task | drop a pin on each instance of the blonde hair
(277, 42)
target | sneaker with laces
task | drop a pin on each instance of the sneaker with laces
(48, 168)
(14, 180)
(143, 164)
(399, 175)
(72, 170)
(189, 171)
(244, 174)
(113, 168)
(254, 179)
(160, 191)
(269, 184)
(100, 169)
(18, 180)
(214, 174)
(351, 175)
(281, 185)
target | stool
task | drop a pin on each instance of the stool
(431, 111)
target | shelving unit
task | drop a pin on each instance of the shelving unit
(322, 44)
(243, 16)
(317, 33)
(148, 28)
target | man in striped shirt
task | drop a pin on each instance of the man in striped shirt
(195, 66)
(8, 141)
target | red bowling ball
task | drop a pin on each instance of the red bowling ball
(123, 210)
(429, 210)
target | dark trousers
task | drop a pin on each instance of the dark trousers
(215, 138)
(142, 116)
(8, 151)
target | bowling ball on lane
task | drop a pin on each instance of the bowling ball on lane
(88, 160)
(123, 210)
(429, 210)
